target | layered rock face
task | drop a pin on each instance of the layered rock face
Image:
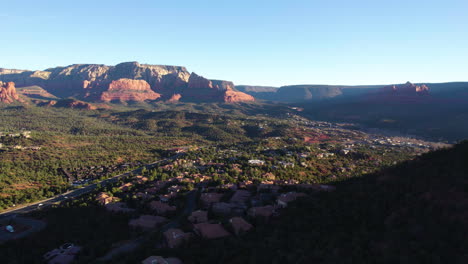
(129, 90)
(129, 81)
(8, 93)
(202, 89)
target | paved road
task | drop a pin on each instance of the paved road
(78, 192)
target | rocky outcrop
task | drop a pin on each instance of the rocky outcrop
(222, 85)
(198, 82)
(231, 96)
(68, 103)
(128, 81)
(408, 89)
(8, 93)
(129, 90)
(174, 98)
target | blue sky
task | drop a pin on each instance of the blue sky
(248, 42)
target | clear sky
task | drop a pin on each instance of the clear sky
(249, 42)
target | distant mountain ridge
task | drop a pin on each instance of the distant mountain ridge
(128, 81)
(317, 92)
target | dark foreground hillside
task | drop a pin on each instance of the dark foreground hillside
(415, 212)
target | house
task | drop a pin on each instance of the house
(198, 217)
(263, 212)
(210, 231)
(269, 176)
(175, 237)
(162, 208)
(325, 155)
(240, 197)
(209, 198)
(256, 162)
(222, 209)
(161, 260)
(245, 184)
(147, 221)
(174, 188)
(239, 225)
(286, 198)
(103, 198)
(118, 207)
(286, 164)
(140, 179)
(345, 151)
(126, 186)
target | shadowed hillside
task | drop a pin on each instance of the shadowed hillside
(414, 212)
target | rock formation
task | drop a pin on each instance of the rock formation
(202, 89)
(174, 98)
(231, 96)
(68, 103)
(8, 93)
(129, 90)
(129, 81)
(408, 89)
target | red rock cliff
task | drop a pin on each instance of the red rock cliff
(231, 96)
(8, 93)
(129, 90)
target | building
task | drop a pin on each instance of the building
(256, 162)
(262, 212)
(103, 198)
(210, 231)
(239, 225)
(175, 237)
(198, 217)
(207, 199)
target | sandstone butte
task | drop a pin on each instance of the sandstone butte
(129, 90)
(8, 93)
